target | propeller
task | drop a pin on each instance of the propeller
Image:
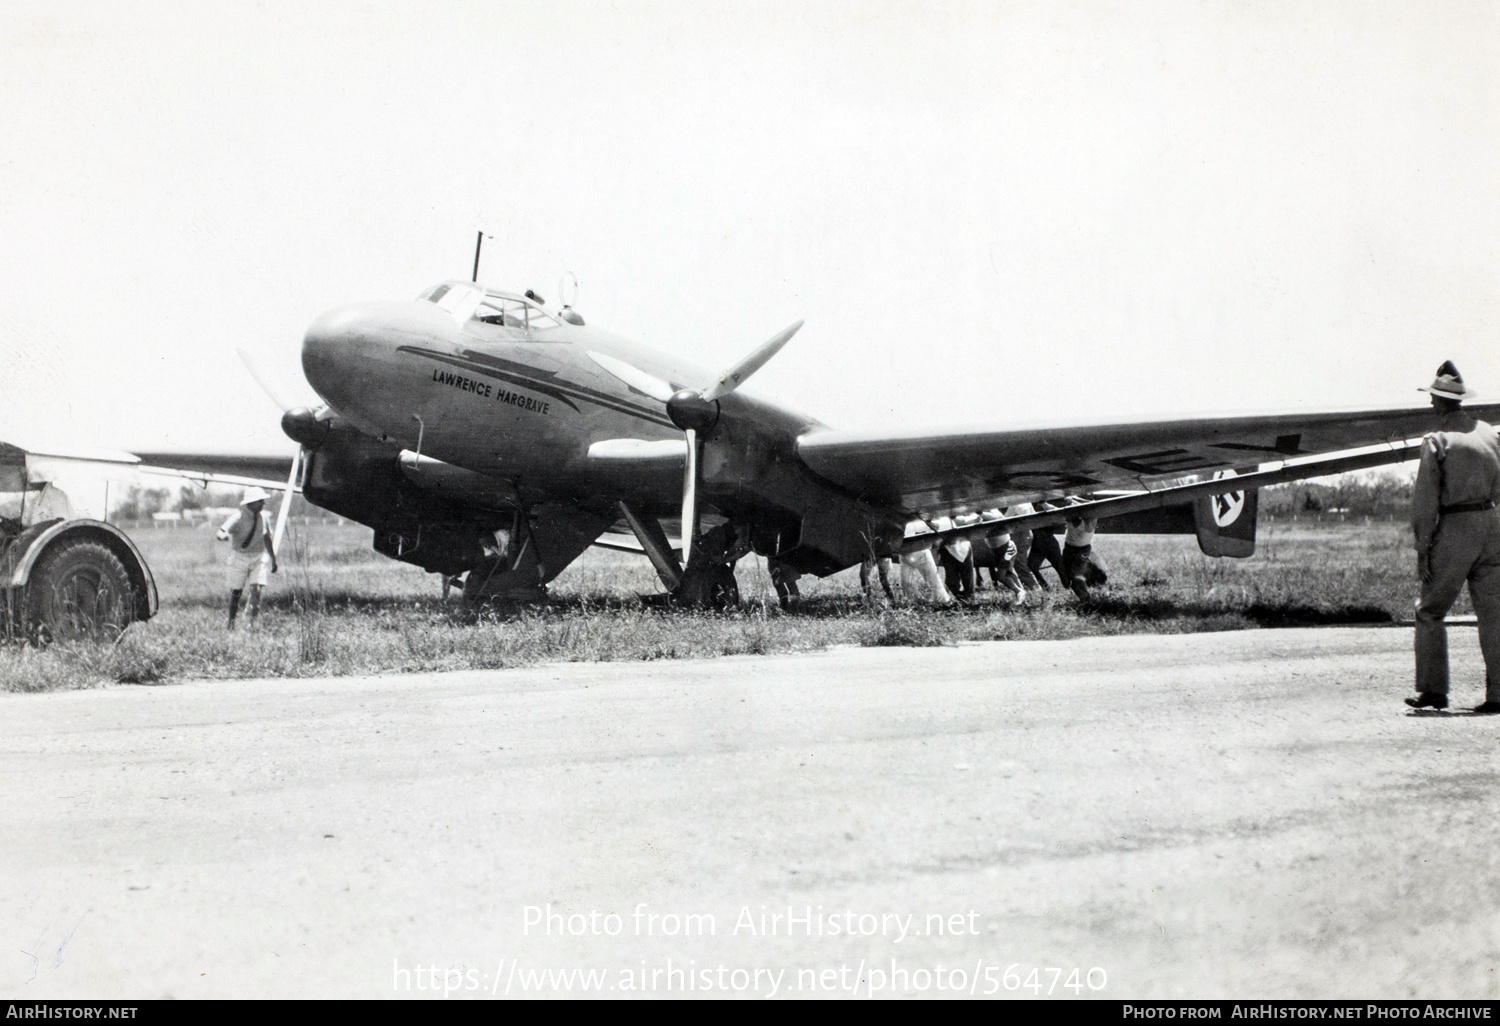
(265, 381)
(286, 503)
(297, 422)
(696, 412)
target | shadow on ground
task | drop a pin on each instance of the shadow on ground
(1260, 613)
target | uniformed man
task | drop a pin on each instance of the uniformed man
(1457, 532)
(250, 554)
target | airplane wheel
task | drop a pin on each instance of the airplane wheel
(78, 589)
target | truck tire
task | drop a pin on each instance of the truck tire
(78, 589)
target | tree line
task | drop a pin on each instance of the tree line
(1382, 493)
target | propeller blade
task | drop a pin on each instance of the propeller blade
(690, 497)
(264, 381)
(636, 378)
(736, 375)
(286, 502)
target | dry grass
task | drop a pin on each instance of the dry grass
(338, 608)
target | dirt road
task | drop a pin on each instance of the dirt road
(1242, 814)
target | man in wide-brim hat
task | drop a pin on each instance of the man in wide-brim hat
(250, 551)
(1457, 530)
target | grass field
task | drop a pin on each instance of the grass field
(337, 607)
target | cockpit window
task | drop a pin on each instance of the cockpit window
(466, 301)
(457, 298)
(510, 312)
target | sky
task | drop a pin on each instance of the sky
(987, 212)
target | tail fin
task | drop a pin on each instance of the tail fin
(1226, 523)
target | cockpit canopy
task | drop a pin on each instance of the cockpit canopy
(466, 301)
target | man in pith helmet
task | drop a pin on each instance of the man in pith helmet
(1457, 532)
(250, 552)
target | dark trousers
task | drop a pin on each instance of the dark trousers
(1044, 549)
(1466, 548)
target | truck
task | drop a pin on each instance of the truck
(63, 577)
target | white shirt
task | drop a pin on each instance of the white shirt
(1081, 531)
(236, 527)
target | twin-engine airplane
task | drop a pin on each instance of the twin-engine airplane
(481, 434)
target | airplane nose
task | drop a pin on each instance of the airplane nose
(349, 352)
(336, 345)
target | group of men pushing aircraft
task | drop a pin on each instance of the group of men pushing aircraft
(1015, 560)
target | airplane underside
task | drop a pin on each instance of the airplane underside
(507, 543)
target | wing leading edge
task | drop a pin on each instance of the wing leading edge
(238, 470)
(938, 472)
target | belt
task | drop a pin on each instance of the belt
(1467, 507)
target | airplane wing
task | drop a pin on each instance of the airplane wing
(241, 466)
(931, 473)
(69, 453)
(235, 469)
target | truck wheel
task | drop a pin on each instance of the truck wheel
(78, 589)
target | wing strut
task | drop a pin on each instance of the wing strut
(654, 541)
(1396, 452)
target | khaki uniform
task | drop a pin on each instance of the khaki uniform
(1457, 527)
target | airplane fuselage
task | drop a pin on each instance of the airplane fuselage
(520, 399)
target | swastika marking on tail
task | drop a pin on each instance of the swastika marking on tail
(1227, 508)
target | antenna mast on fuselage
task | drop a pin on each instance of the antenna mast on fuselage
(478, 243)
